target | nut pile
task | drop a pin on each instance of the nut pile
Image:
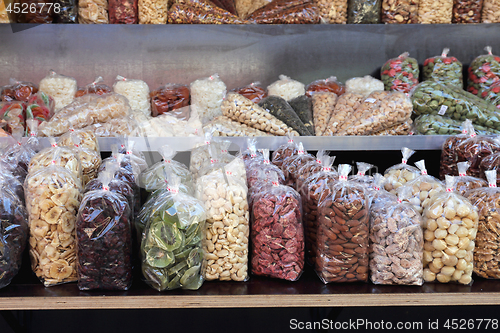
(400, 11)
(467, 11)
(323, 104)
(435, 11)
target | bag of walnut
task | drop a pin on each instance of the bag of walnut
(342, 240)
(448, 165)
(466, 183)
(487, 201)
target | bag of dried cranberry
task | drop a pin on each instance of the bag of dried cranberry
(17, 91)
(103, 226)
(400, 74)
(277, 233)
(123, 11)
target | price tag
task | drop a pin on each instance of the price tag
(442, 110)
(370, 100)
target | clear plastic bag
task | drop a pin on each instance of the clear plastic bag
(89, 158)
(492, 94)
(136, 92)
(97, 87)
(448, 163)
(207, 95)
(280, 108)
(251, 153)
(377, 192)
(277, 232)
(343, 111)
(466, 183)
(361, 176)
(364, 12)
(123, 11)
(400, 74)
(262, 169)
(17, 91)
(490, 162)
(13, 114)
(200, 154)
(443, 69)
(228, 5)
(330, 84)
(292, 164)
(323, 104)
(345, 208)
(61, 88)
(42, 11)
(153, 12)
(400, 11)
(302, 106)
(84, 138)
(225, 126)
(136, 156)
(435, 11)
(246, 7)
(332, 11)
(467, 11)
(253, 91)
(200, 12)
(405, 128)
(117, 127)
(171, 248)
(40, 106)
(450, 227)
(491, 12)
(286, 150)
(9, 182)
(104, 224)
(67, 13)
(433, 124)
(93, 12)
(363, 85)
(484, 70)
(309, 169)
(172, 99)
(286, 88)
(399, 174)
(286, 12)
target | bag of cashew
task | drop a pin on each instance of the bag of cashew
(292, 164)
(399, 174)
(466, 183)
(225, 237)
(277, 232)
(342, 237)
(450, 227)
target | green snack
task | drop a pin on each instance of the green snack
(446, 100)
(302, 105)
(159, 258)
(484, 71)
(280, 108)
(444, 69)
(400, 74)
(430, 124)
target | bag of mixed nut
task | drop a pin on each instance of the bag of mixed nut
(400, 74)
(332, 11)
(467, 11)
(491, 12)
(344, 109)
(254, 91)
(259, 168)
(448, 163)
(364, 12)
(323, 104)
(286, 12)
(361, 176)
(400, 11)
(286, 150)
(444, 69)
(277, 232)
(435, 11)
(484, 70)
(342, 236)
(450, 227)
(172, 99)
(466, 183)
(399, 174)
(396, 243)
(292, 164)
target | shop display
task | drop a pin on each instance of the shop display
(484, 71)
(448, 163)
(253, 92)
(466, 183)
(200, 12)
(490, 162)
(292, 164)
(172, 99)
(363, 85)
(40, 106)
(330, 84)
(67, 13)
(492, 94)
(61, 88)
(332, 11)
(435, 11)
(450, 227)
(136, 92)
(342, 240)
(443, 69)
(396, 243)
(474, 150)
(246, 7)
(280, 108)
(400, 11)
(344, 109)
(286, 12)
(286, 88)
(491, 11)
(467, 11)
(96, 87)
(364, 12)
(17, 91)
(400, 174)
(361, 176)
(66, 158)
(207, 96)
(433, 124)
(224, 126)
(13, 113)
(153, 11)
(400, 74)
(93, 12)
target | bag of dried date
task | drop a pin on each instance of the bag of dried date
(263, 168)
(13, 114)
(323, 104)
(400, 74)
(93, 12)
(104, 224)
(435, 11)
(302, 106)
(286, 150)
(443, 69)
(448, 164)
(399, 174)
(17, 91)
(400, 11)
(254, 92)
(224, 188)
(486, 262)
(123, 11)
(450, 227)
(492, 94)
(292, 164)
(332, 11)
(345, 211)
(277, 233)
(97, 87)
(420, 191)
(467, 11)
(171, 247)
(172, 99)
(484, 71)
(466, 183)
(361, 177)
(364, 12)
(491, 12)
(286, 12)
(344, 110)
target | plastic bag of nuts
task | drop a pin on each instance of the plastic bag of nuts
(484, 71)
(405, 128)
(253, 92)
(262, 168)
(200, 12)
(93, 12)
(363, 85)
(224, 126)
(277, 232)
(123, 11)
(399, 174)
(467, 11)
(302, 106)
(377, 192)
(435, 11)
(283, 111)
(400, 11)
(332, 11)
(53, 196)
(344, 109)
(490, 162)
(225, 241)
(450, 227)
(219, 156)
(361, 177)
(153, 12)
(487, 201)
(491, 12)
(443, 69)
(364, 12)
(292, 164)
(396, 243)
(448, 163)
(288, 149)
(251, 153)
(309, 169)
(323, 104)
(342, 239)
(466, 183)
(400, 74)
(17, 91)
(286, 12)
(172, 99)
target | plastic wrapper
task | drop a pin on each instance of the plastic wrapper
(309, 169)
(399, 174)
(277, 232)
(363, 85)
(153, 11)
(484, 71)
(400, 74)
(200, 12)
(286, 150)
(491, 12)
(446, 100)
(345, 208)
(466, 183)
(251, 154)
(241, 109)
(344, 109)
(262, 169)
(136, 92)
(486, 251)
(53, 197)
(330, 84)
(448, 163)
(420, 191)
(228, 5)
(400, 11)
(154, 177)
(247, 7)
(253, 92)
(13, 114)
(224, 126)
(206, 97)
(167, 126)
(433, 124)
(90, 159)
(332, 11)
(467, 11)
(135, 156)
(10, 183)
(286, 88)
(490, 162)
(42, 11)
(435, 11)
(492, 94)
(291, 165)
(66, 158)
(40, 106)
(123, 11)
(103, 224)
(361, 176)
(405, 128)
(17, 91)
(323, 104)
(172, 99)
(378, 194)
(280, 108)
(225, 188)
(474, 150)
(286, 12)
(302, 106)
(117, 127)
(443, 69)
(84, 138)
(364, 12)
(68, 12)
(93, 12)
(171, 248)
(200, 154)
(16, 156)
(450, 227)
(85, 111)
(96, 87)
(61, 88)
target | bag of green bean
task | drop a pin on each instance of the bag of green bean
(434, 124)
(444, 69)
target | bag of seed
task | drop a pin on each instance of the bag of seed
(400, 74)
(483, 72)
(280, 108)
(399, 174)
(466, 183)
(302, 106)
(444, 69)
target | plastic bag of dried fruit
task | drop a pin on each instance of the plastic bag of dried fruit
(172, 99)
(364, 12)
(491, 11)
(277, 233)
(315, 190)
(443, 69)
(128, 147)
(396, 243)
(486, 251)
(399, 174)
(343, 111)
(286, 150)
(86, 138)
(153, 12)
(345, 208)
(259, 169)
(286, 88)
(17, 91)
(490, 162)
(125, 161)
(466, 183)
(251, 152)
(104, 223)
(420, 191)
(400, 74)
(435, 11)
(492, 94)
(484, 71)
(93, 12)
(207, 95)
(13, 113)
(244, 8)
(332, 11)
(286, 12)
(53, 195)
(450, 227)
(96, 87)
(123, 11)
(400, 11)
(153, 178)
(60, 87)
(224, 188)
(136, 92)
(330, 84)
(363, 85)
(40, 106)
(16, 155)
(292, 164)
(280, 108)
(200, 12)
(254, 91)
(361, 176)
(448, 163)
